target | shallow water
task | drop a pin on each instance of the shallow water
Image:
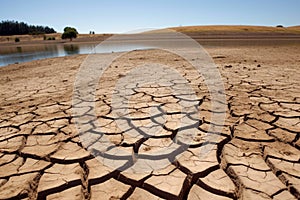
(19, 54)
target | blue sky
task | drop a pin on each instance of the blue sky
(117, 16)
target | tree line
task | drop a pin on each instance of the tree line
(20, 28)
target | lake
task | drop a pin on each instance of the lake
(18, 54)
(25, 53)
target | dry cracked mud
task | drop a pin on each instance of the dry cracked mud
(256, 155)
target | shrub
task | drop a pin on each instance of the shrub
(69, 33)
(17, 39)
(279, 26)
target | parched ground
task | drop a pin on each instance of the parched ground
(255, 156)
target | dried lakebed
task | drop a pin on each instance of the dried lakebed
(255, 156)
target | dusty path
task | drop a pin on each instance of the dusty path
(256, 156)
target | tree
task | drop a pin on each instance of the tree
(69, 33)
(19, 28)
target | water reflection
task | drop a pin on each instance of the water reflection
(71, 49)
(24, 54)
(19, 49)
(18, 54)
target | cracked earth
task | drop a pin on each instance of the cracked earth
(255, 156)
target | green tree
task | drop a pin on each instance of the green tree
(69, 33)
(19, 28)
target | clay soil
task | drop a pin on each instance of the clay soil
(255, 156)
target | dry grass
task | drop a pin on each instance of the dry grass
(29, 37)
(57, 36)
(237, 29)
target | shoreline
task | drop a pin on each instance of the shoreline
(207, 42)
